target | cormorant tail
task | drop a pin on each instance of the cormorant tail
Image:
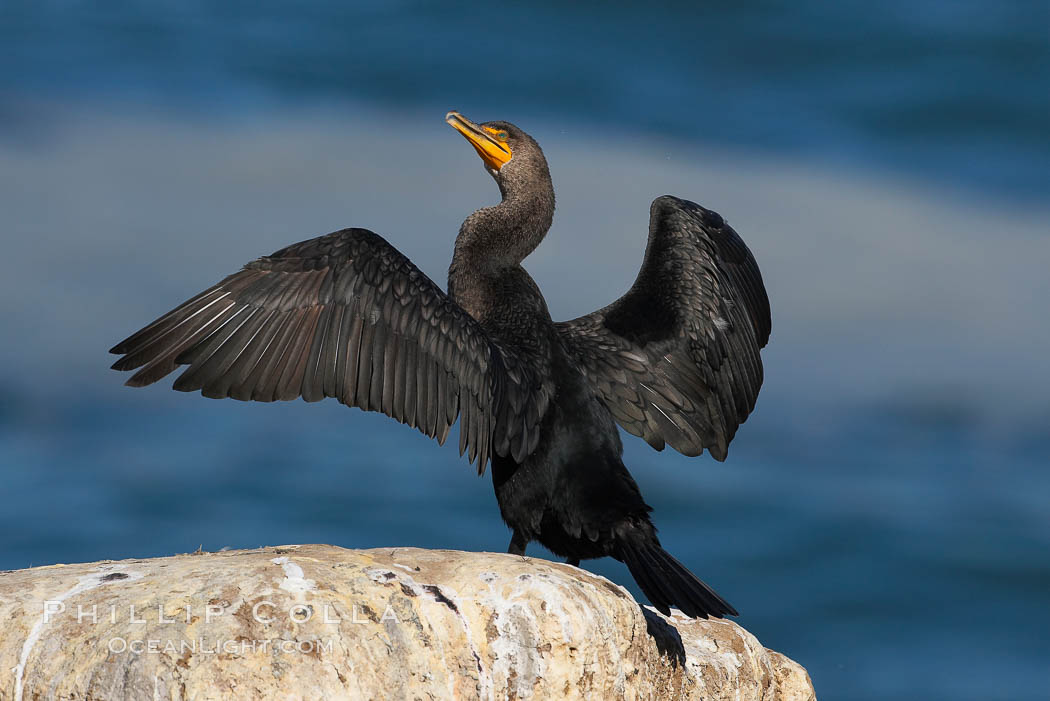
(668, 583)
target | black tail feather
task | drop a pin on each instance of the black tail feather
(666, 582)
(651, 582)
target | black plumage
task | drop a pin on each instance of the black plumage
(675, 360)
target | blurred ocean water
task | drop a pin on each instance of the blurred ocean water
(882, 517)
(950, 89)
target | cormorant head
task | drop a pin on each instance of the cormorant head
(510, 155)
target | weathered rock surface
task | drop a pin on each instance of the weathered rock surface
(316, 621)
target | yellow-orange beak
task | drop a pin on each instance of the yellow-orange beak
(494, 152)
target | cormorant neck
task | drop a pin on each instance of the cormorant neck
(503, 235)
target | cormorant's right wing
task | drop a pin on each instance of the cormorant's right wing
(344, 315)
(677, 357)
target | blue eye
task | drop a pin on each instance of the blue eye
(502, 136)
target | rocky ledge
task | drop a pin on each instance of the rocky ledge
(317, 621)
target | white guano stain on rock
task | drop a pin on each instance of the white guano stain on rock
(85, 583)
(295, 580)
(385, 576)
(485, 685)
(516, 647)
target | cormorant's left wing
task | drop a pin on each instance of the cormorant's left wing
(677, 357)
(345, 315)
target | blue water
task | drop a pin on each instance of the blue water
(897, 546)
(956, 90)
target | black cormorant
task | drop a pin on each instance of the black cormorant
(675, 360)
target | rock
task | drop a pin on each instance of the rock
(316, 621)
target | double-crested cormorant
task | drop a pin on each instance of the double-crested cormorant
(675, 360)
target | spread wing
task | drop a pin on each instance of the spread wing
(347, 316)
(677, 357)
